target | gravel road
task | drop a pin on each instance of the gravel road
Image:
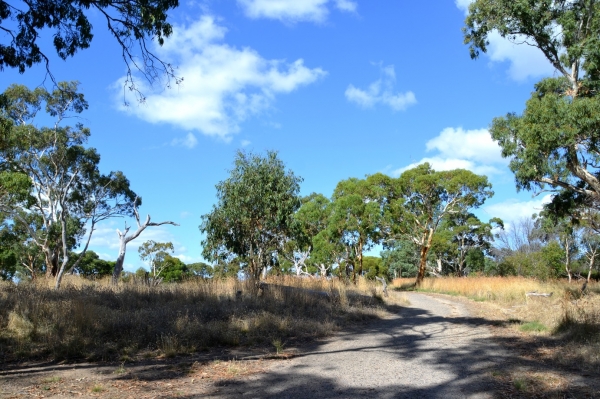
(431, 348)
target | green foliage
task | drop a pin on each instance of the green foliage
(542, 265)
(173, 269)
(91, 266)
(424, 198)
(375, 267)
(402, 259)
(8, 264)
(66, 190)
(475, 260)
(554, 257)
(254, 213)
(67, 22)
(226, 270)
(200, 269)
(141, 273)
(555, 141)
(156, 253)
(355, 217)
(538, 21)
(310, 219)
(533, 326)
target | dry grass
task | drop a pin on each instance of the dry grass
(505, 290)
(98, 322)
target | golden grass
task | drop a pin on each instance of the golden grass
(506, 290)
(94, 320)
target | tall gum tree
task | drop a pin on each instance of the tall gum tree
(418, 201)
(66, 189)
(554, 143)
(357, 215)
(254, 214)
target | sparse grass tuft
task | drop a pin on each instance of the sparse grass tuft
(520, 384)
(533, 326)
(278, 346)
(97, 388)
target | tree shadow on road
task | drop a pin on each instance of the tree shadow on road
(480, 368)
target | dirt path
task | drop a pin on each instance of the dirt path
(431, 349)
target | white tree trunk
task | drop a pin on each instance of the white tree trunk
(124, 239)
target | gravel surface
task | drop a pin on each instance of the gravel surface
(431, 348)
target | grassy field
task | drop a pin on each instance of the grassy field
(95, 321)
(566, 324)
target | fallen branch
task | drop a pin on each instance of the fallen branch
(535, 293)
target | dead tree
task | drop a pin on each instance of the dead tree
(126, 239)
(384, 283)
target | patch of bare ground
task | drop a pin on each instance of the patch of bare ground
(165, 378)
(541, 363)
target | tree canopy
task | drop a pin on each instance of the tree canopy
(130, 22)
(555, 140)
(55, 185)
(422, 198)
(254, 213)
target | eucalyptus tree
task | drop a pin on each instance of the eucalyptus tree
(310, 219)
(66, 189)
(566, 232)
(357, 216)
(155, 254)
(554, 142)
(253, 217)
(421, 198)
(469, 234)
(401, 258)
(329, 251)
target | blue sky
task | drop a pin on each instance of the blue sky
(340, 88)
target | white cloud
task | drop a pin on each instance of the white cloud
(438, 164)
(294, 10)
(465, 149)
(346, 5)
(476, 145)
(245, 143)
(222, 85)
(189, 141)
(525, 61)
(381, 92)
(512, 210)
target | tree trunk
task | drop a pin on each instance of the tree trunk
(125, 239)
(567, 261)
(120, 258)
(51, 263)
(427, 238)
(359, 256)
(592, 261)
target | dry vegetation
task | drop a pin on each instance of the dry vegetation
(94, 321)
